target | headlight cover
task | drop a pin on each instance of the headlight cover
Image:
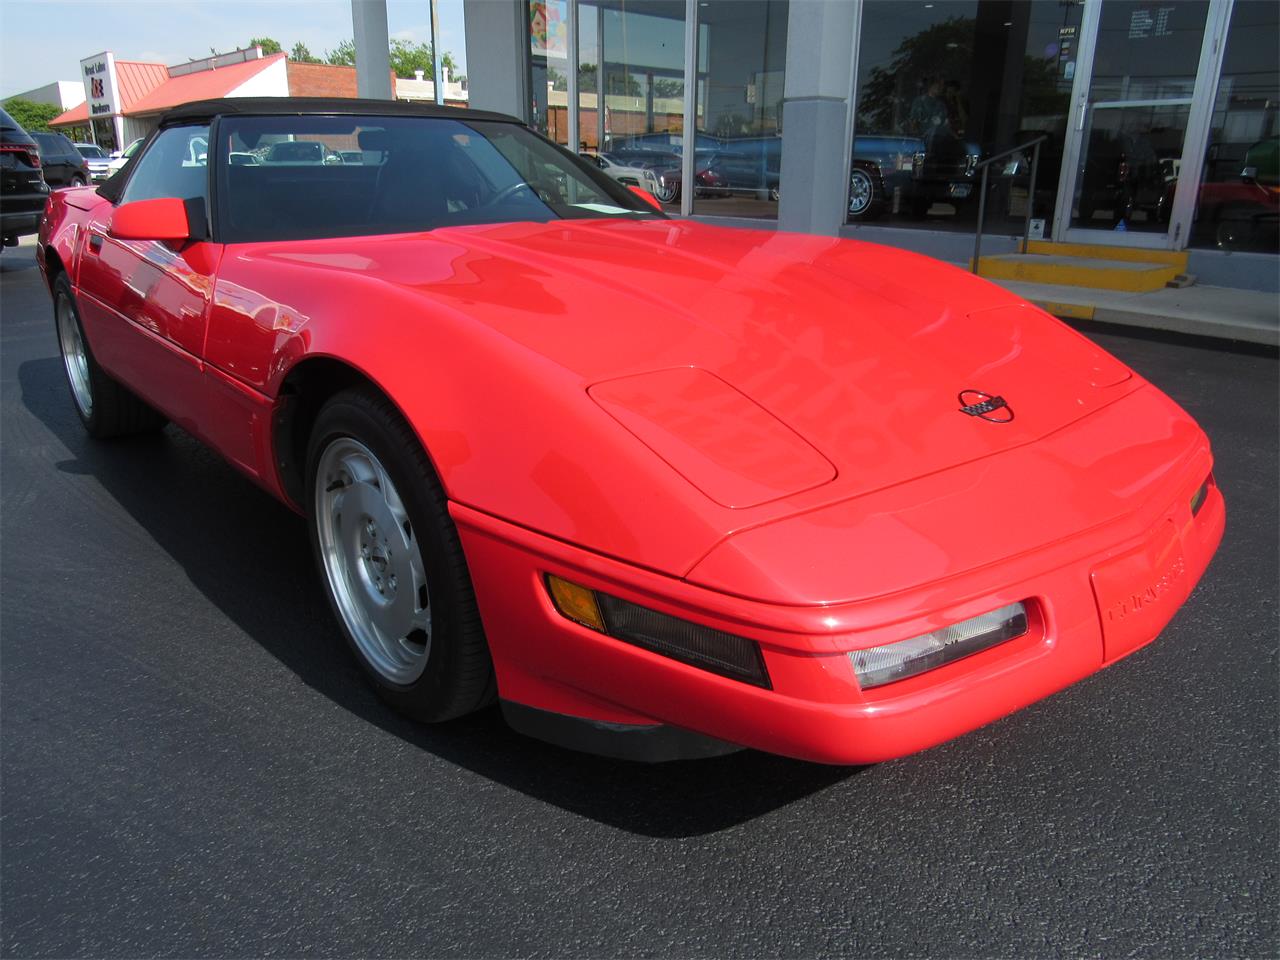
(890, 662)
(699, 646)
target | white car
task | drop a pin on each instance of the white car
(627, 176)
(99, 160)
(121, 157)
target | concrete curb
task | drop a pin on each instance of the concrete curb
(1220, 327)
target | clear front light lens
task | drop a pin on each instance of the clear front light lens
(876, 666)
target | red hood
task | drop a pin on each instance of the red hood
(861, 350)
(824, 369)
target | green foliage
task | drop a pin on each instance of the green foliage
(405, 57)
(344, 55)
(943, 50)
(268, 45)
(668, 88)
(301, 54)
(31, 116)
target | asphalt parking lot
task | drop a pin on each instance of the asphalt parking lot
(191, 765)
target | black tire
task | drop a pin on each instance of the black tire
(458, 676)
(113, 410)
(78, 181)
(864, 195)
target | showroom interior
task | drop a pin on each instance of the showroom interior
(1156, 122)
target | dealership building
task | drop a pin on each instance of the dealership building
(1156, 120)
(124, 99)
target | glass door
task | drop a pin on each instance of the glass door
(1144, 76)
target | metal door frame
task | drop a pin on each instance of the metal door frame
(1195, 138)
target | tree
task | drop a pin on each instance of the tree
(301, 54)
(406, 57)
(344, 55)
(31, 116)
(941, 50)
(268, 45)
(667, 88)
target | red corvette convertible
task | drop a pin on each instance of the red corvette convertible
(662, 488)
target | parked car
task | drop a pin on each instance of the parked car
(296, 151)
(22, 187)
(661, 488)
(664, 164)
(121, 157)
(1123, 174)
(97, 159)
(62, 163)
(628, 176)
(752, 167)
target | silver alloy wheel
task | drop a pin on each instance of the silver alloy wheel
(861, 190)
(74, 356)
(667, 192)
(373, 561)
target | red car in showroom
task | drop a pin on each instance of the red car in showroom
(663, 489)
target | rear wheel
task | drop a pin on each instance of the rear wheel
(106, 407)
(392, 563)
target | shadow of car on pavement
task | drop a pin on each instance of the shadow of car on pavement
(202, 512)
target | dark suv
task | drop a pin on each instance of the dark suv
(22, 187)
(62, 162)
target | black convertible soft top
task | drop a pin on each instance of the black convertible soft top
(304, 106)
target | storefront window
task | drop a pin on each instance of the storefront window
(631, 90)
(742, 52)
(946, 83)
(1239, 199)
(549, 68)
(1139, 106)
(104, 134)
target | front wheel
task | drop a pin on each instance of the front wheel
(392, 563)
(668, 192)
(78, 181)
(106, 407)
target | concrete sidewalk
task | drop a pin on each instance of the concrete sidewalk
(1223, 312)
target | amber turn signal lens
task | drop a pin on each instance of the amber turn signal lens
(1197, 499)
(575, 602)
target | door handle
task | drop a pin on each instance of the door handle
(95, 242)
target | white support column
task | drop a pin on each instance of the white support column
(817, 118)
(498, 56)
(689, 156)
(373, 61)
(574, 112)
(436, 85)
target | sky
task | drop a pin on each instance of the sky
(44, 40)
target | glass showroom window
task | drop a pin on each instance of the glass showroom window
(742, 52)
(1239, 200)
(549, 68)
(631, 91)
(942, 84)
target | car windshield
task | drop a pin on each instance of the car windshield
(91, 151)
(325, 176)
(7, 122)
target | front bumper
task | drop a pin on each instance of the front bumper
(815, 709)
